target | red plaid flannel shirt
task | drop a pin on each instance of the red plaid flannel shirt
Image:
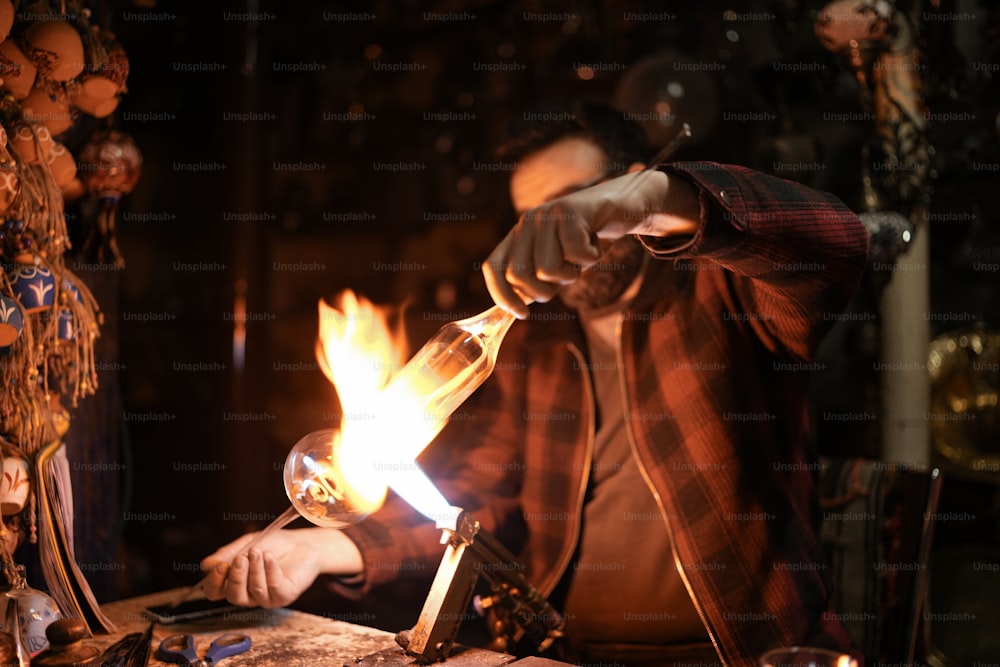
(717, 349)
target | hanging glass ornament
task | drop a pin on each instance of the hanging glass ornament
(109, 167)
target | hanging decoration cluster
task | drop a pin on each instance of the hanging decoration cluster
(56, 71)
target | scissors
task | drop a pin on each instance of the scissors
(180, 649)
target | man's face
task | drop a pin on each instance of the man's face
(560, 169)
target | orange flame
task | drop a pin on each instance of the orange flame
(357, 349)
(360, 353)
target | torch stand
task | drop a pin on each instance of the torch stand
(519, 610)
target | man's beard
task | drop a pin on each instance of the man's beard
(605, 282)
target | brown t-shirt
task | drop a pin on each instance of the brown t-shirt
(623, 586)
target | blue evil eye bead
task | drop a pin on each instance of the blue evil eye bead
(11, 321)
(34, 287)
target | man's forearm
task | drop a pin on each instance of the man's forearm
(674, 207)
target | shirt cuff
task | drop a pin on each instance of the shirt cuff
(666, 246)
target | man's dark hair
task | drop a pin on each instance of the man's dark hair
(622, 139)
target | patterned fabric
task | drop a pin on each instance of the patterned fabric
(717, 349)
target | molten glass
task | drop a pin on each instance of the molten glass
(450, 366)
(335, 478)
(316, 473)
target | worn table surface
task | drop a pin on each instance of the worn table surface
(280, 636)
(283, 637)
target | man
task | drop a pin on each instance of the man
(647, 430)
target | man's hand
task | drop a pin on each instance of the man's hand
(551, 244)
(281, 568)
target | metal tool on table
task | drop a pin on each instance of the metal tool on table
(519, 608)
(180, 648)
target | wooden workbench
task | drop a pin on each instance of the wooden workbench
(287, 638)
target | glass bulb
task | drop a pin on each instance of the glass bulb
(316, 476)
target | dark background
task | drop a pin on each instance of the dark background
(225, 206)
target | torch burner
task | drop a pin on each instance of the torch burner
(520, 610)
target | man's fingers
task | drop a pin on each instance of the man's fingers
(236, 582)
(257, 588)
(549, 263)
(278, 586)
(215, 580)
(494, 272)
(578, 243)
(521, 271)
(547, 248)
